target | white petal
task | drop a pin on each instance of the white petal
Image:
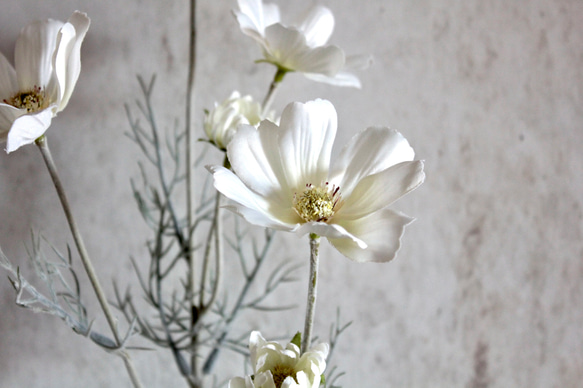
(308, 132)
(381, 231)
(288, 48)
(264, 380)
(8, 82)
(67, 58)
(372, 150)
(251, 206)
(345, 77)
(317, 25)
(253, 17)
(255, 157)
(378, 191)
(329, 231)
(342, 78)
(27, 128)
(33, 54)
(290, 382)
(8, 114)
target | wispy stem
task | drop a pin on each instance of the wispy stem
(46, 153)
(194, 310)
(312, 291)
(277, 78)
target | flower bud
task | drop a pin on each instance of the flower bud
(221, 123)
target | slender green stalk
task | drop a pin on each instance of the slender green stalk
(46, 153)
(277, 78)
(312, 291)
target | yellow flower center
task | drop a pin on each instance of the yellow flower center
(280, 372)
(32, 101)
(317, 203)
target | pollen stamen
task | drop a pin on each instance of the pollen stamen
(32, 101)
(280, 372)
(317, 203)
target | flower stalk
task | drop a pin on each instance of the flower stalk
(268, 100)
(312, 291)
(194, 310)
(42, 144)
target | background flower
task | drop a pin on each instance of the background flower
(275, 366)
(47, 65)
(300, 47)
(221, 123)
(283, 180)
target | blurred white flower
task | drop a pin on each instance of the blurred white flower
(277, 367)
(47, 65)
(300, 47)
(283, 180)
(221, 123)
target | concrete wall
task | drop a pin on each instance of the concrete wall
(487, 290)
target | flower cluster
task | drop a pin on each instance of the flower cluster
(277, 367)
(277, 174)
(47, 65)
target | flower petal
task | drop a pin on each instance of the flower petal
(377, 191)
(288, 48)
(342, 78)
(381, 231)
(67, 58)
(253, 16)
(33, 54)
(8, 114)
(307, 135)
(8, 82)
(251, 206)
(256, 159)
(345, 77)
(27, 128)
(239, 382)
(369, 152)
(329, 231)
(317, 25)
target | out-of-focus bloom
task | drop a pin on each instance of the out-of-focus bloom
(283, 180)
(277, 367)
(47, 62)
(300, 47)
(221, 123)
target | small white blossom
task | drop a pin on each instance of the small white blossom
(221, 123)
(282, 178)
(302, 46)
(277, 367)
(47, 61)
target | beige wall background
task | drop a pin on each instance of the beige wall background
(487, 290)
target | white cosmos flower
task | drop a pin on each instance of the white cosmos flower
(302, 46)
(47, 65)
(221, 123)
(283, 179)
(277, 367)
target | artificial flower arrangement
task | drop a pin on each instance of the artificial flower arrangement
(277, 174)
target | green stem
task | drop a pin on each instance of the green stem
(41, 142)
(312, 291)
(272, 89)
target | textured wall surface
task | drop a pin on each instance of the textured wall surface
(487, 290)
